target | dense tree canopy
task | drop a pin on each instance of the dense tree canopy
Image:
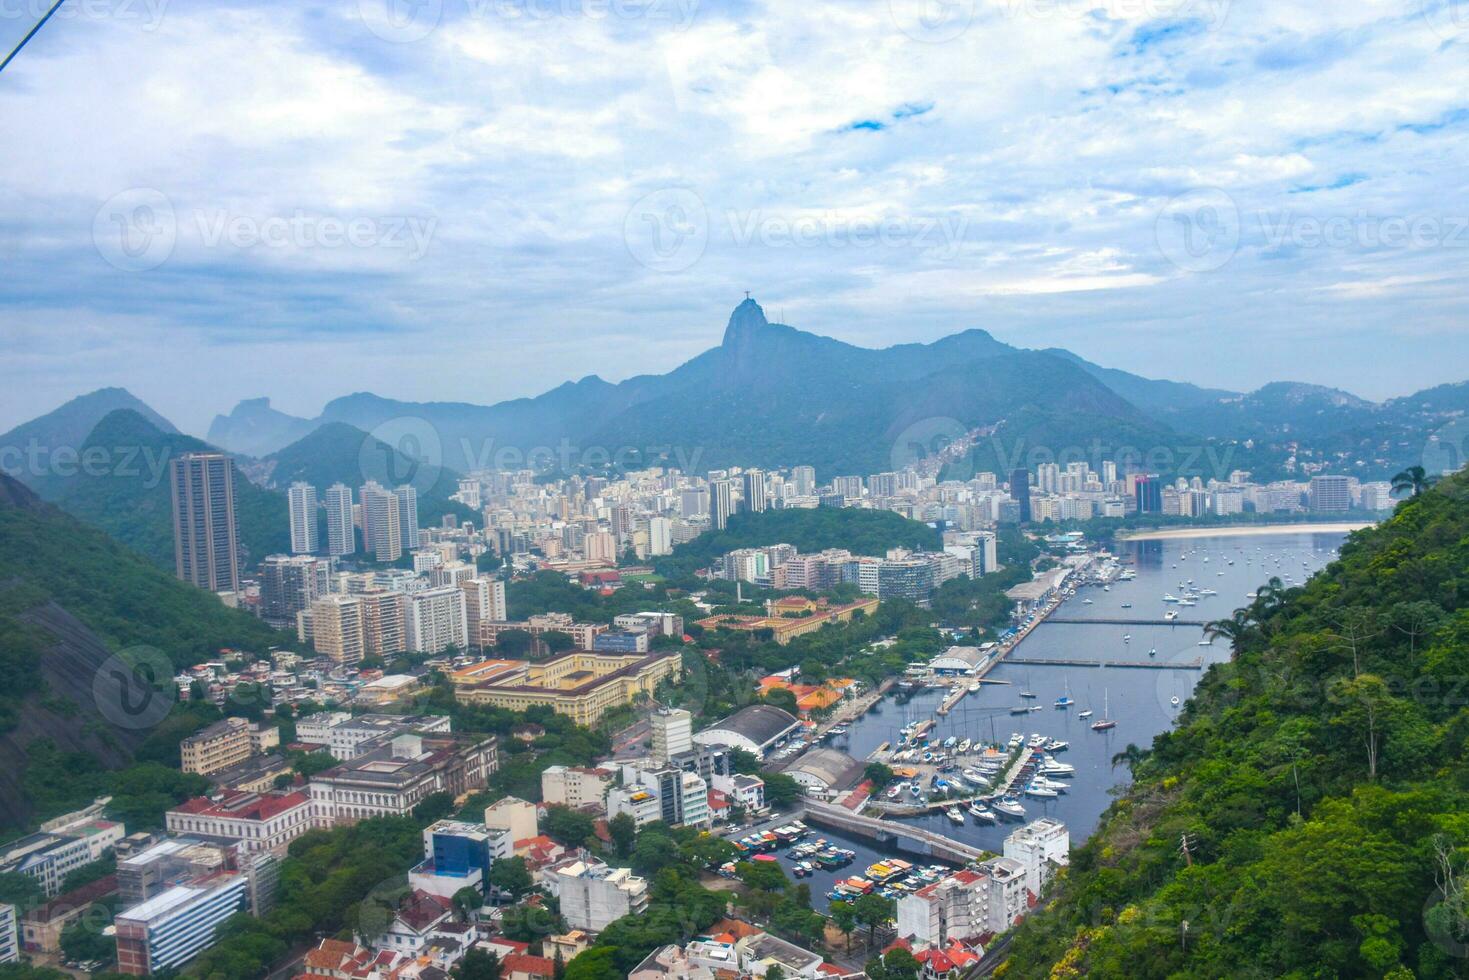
(1310, 814)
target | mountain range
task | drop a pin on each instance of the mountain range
(70, 599)
(771, 395)
(768, 395)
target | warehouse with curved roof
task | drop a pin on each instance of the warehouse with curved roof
(825, 772)
(754, 728)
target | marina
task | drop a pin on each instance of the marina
(1079, 699)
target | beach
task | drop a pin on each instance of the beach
(1240, 531)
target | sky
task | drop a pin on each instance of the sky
(479, 199)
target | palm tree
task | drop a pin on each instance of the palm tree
(1233, 629)
(1413, 481)
(1130, 757)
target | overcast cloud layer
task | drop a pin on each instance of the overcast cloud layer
(479, 199)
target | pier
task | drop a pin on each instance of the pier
(890, 832)
(1126, 622)
(1195, 664)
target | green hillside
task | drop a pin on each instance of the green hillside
(129, 496)
(334, 452)
(1312, 808)
(71, 599)
(862, 532)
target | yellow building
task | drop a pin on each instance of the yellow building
(791, 617)
(581, 685)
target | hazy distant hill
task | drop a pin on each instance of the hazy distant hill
(340, 453)
(256, 429)
(130, 498)
(54, 438)
(70, 597)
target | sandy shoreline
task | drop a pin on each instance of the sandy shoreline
(1240, 531)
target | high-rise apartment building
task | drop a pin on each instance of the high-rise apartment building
(337, 628)
(673, 732)
(660, 536)
(1149, 495)
(341, 535)
(484, 601)
(302, 501)
(804, 479)
(721, 503)
(1331, 494)
(407, 516)
(434, 620)
(205, 539)
(382, 522)
(754, 490)
(1020, 493)
(289, 584)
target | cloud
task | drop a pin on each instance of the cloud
(882, 178)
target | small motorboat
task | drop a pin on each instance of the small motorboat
(953, 814)
(1009, 806)
(981, 814)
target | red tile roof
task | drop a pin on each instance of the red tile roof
(237, 805)
(536, 966)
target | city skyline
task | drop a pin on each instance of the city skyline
(1034, 170)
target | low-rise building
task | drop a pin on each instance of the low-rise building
(255, 821)
(593, 895)
(583, 686)
(754, 728)
(9, 934)
(390, 776)
(49, 856)
(966, 905)
(343, 734)
(576, 787)
(1040, 847)
(222, 745)
(826, 773)
(170, 929)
